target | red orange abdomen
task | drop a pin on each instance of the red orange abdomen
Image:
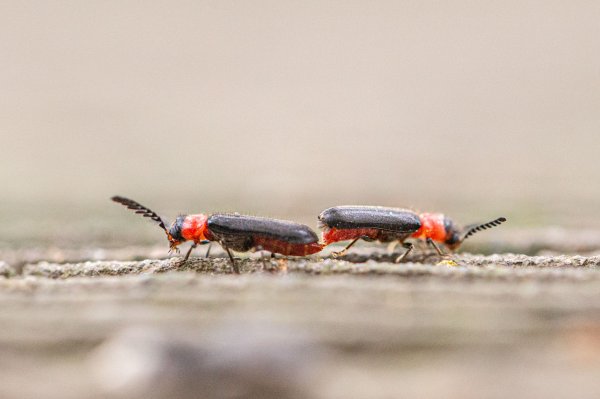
(286, 248)
(335, 235)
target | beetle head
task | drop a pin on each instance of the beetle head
(453, 240)
(175, 235)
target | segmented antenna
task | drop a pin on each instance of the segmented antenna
(474, 228)
(140, 209)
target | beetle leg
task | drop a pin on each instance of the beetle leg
(187, 255)
(208, 250)
(434, 245)
(269, 259)
(409, 247)
(343, 251)
(262, 259)
(235, 267)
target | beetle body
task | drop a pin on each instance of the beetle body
(243, 233)
(385, 224)
(235, 232)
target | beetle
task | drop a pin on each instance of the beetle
(234, 232)
(385, 224)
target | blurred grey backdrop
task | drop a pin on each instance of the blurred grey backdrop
(475, 108)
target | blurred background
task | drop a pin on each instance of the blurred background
(476, 109)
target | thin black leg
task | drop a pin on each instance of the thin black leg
(343, 251)
(208, 250)
(434, 245)
(409, 247)
(262, 259)
(187, 255)
(235, 267)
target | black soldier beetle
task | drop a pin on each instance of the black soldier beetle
(384, 224)
(234, 232)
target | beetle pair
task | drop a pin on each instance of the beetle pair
(243, 233)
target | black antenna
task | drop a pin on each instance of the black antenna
(142, 210)
(474, 228)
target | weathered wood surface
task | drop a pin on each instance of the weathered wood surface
(495, 326)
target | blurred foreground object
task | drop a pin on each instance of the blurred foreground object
(237, 361)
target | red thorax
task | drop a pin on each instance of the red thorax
(194, 227)
(432, 226)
